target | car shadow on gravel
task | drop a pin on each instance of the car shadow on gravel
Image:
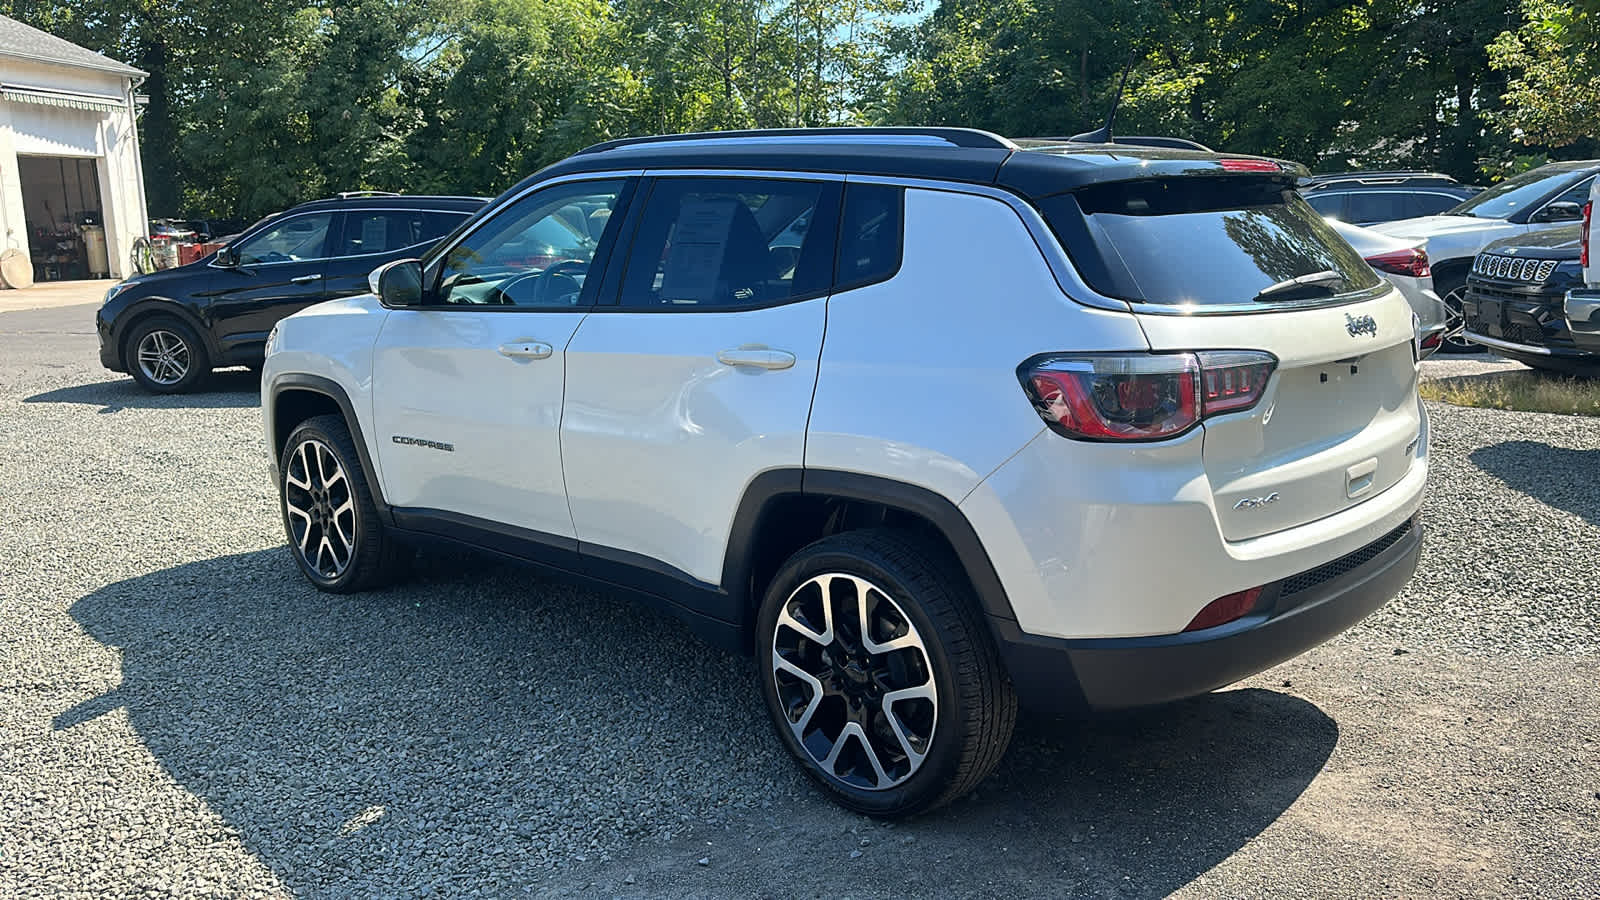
(1558, 477)
(480, 727)
(227, 389)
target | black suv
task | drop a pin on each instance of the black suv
(168, 329)
(1516, 297)
(1367, 198)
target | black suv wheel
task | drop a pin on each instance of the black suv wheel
(333, 527)
(879, 674)
(165, 356)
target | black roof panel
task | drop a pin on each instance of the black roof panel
(1038, 169)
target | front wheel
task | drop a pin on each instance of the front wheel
(1452, 289)
(328, 514)
(879, 674)
(165, 356)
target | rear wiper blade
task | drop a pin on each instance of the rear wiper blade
(1313, 281)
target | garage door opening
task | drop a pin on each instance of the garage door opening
(61, 206)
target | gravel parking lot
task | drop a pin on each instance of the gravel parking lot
(181, 715)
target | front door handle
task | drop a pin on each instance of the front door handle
(526, 350)
(757, 356)
(305, 279)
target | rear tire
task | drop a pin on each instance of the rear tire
(331, 521)
(165, 356)
(901, 716)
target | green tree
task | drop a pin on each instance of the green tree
(1553, 58)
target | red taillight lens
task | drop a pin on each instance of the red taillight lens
(1411, 261)
(1250, 165)
(1118, 398)
(1432, 341)
(1143, 396)
(1233, 380)
(1583, 235)
(1225, 609)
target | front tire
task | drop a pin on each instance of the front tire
(331, 521)
(879, 674)
(1452, 289)
(165, 356)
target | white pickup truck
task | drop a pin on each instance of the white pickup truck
(1583, 304)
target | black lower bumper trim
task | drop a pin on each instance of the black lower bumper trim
(1062, 676)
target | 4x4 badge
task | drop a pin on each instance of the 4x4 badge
(1358, 326)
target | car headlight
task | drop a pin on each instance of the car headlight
(116, 289)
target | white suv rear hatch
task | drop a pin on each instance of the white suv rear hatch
(1242, 263)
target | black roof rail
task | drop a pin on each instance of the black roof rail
(1379, 177)
(1139, 140)
(958, 137)
(347, 195)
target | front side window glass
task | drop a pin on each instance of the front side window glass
(537, 253)
(292, 240)
(732, 242)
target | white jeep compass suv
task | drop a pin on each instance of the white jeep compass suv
(929, 421)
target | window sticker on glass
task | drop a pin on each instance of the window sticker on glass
(694, 254)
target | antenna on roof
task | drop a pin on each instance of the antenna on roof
(1102, 135)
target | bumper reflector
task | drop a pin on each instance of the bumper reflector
(1225, 609)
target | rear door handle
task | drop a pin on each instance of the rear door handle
(758, 357)
(305, 279)
(526, 350)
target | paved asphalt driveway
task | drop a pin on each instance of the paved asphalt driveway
(180, 715)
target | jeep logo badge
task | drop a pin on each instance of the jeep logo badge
(1366, 325)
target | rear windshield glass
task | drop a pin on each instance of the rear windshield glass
(1203, 241)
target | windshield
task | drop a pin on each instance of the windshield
(1515, 194)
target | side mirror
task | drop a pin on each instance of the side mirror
(398, 283)
(1560, 211)
(226, 257)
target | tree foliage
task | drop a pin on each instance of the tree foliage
(257, 105)
(1553, 96)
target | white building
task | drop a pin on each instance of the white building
(69, 155)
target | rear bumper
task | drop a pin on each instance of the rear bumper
(1073, 676)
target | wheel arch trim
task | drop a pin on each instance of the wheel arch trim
(154, 307)
(327, 387)
(771, 486)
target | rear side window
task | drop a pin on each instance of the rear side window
(379, 231)
(732, 242)
(1376, 206)
(1328, 204)
(1203, 241)
(1429, 204)
(871, 235)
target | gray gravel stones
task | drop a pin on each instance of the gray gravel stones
(181, 716)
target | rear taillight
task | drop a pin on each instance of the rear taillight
(1142, 396)
(1251, 165)
(1583, 235)
(1225, 609)
(1432, 341)
(1411, 261)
